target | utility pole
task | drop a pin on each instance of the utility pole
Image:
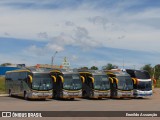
(123, 63)
(53, 58)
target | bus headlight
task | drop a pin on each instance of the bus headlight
(65, 93)
(34, 94)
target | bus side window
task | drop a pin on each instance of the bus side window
(8, 77)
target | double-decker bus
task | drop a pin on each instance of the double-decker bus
(96, 84)
(121, 85)
(67, 84)
(29, 83)
(142, 82)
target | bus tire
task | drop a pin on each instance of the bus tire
(71, 98)
(84, 94)
(10, 93)
(99, 98)
(25, 95)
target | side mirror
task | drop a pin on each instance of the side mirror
(134, 80)
(54, 78)
(62, 79)
(30, 78)
(111, 79)
(116, 80)
(154, 81)
(83, 79)
(92, 79)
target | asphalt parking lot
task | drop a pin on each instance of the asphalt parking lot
(145, 104)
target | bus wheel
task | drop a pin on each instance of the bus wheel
(71, 98)
(9, 92)
(99, 98)
(25, 95)
(84, 94)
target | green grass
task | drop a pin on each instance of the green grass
(2, 85)
(158, 84)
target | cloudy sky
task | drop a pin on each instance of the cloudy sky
(87, 32)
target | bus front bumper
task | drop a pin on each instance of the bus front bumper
(72, 94)
(101, 94)
(139, 93)
(125, 94)
(40, 95)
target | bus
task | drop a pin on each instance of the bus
(29, 83)
(96, 84)
(142, 82)
(67, 84)
(121, 85)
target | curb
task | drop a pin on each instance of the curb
(3, 95)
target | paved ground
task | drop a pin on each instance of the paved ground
(146, 104)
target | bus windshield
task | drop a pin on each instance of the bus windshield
(142, 75)
(72, 82)
(101, 82)
(125, 83)
(145, 85)
(42, 81)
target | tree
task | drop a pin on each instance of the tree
(148, 68)
(94, 68)
(84, 68)
(109, 66)
(156, 72)
(6, 64)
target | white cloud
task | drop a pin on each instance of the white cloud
(54, 47)
(34, 51)
(84, 26)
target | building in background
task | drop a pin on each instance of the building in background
(65, 64)
(4, 69)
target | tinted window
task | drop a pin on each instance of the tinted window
(142, 75)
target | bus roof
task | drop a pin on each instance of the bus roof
(141, 74)
(117, 72)
(64, 71)
(93, 72)
(133, 70)
(32, 70)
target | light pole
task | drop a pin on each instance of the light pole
(53, 58)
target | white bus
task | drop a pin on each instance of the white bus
(142, 82)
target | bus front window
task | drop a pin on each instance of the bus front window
(142, 75)
(125, 83)
(145, 85)
(41, 82)
(101, 82)
(72, 82)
